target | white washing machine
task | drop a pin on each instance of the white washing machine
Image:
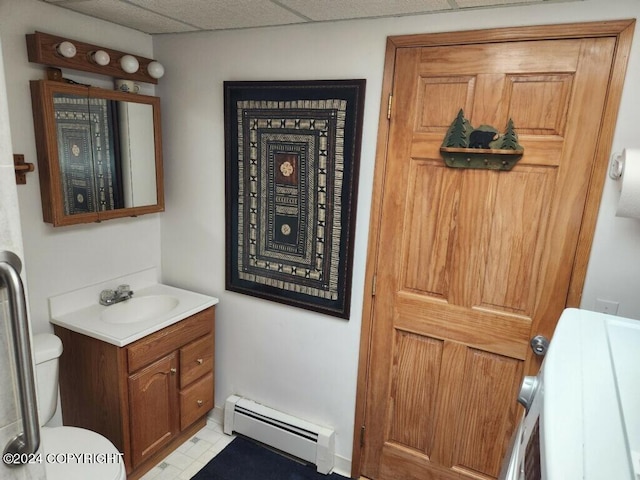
(583, 408)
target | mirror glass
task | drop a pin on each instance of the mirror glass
(137, 154)
(106, 153)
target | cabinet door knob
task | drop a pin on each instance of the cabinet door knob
(199, 402)
(173, 371)
(199, 361)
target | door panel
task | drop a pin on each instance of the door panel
(517, 224)
(441, 91)
(411, 394)
(546, 116)
(470, 264)
(489, 382)
(430, 236)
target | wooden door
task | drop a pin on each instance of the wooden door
(467, 265)
(153, 408)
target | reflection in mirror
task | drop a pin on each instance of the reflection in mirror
(107, 153)
(137, 153)
(87, 153)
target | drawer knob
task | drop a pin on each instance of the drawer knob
(173, 371)
(199, 402)
(199, 361)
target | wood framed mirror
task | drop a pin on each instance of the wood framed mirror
(99, 152)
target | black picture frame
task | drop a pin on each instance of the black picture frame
(292, 158)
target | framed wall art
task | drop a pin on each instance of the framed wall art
(292, 162)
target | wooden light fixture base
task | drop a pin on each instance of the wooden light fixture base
(41, 48)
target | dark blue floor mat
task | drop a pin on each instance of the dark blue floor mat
(243, 459)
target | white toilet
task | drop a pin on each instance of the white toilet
(68, 453)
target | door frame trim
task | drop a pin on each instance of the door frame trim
(622, 30)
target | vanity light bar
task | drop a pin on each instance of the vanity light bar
(45, 49)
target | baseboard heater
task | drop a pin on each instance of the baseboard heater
(302, 439)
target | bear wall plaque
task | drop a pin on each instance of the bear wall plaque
(484, 147)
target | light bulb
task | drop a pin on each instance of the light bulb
(66, 49)
(129, 64)
(101, 57)
(155, 69)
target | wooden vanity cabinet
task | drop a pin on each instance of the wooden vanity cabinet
(147, 397)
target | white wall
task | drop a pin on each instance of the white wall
(58, 260)
(297, 361)
(10, 240)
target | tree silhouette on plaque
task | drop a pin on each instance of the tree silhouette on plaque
(510, 138)
(458, 133)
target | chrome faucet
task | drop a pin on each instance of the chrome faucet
(111, 297)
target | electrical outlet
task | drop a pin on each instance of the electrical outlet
(606, 306)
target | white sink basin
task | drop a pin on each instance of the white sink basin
(139, 309)
(153, 307)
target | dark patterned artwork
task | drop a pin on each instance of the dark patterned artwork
(86, 152)
(292, 159)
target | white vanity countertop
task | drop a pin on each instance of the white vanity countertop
(85, 317)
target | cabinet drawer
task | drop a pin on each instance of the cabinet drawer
(196, 400)
(196, 359)
(168, 339)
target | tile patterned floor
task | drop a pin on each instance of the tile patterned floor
(192, 455)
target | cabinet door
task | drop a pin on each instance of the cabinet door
(153, 403)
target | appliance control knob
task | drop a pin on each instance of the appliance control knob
(528, 391)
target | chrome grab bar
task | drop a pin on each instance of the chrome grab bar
(29, 440)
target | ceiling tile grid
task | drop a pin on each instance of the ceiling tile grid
(176, 16)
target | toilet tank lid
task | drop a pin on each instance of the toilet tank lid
(46, 346)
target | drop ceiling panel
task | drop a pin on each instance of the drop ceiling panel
(128, 15)
(492, 3)
(223, 14)
(339, 9)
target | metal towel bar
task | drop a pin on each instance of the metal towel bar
(29, 440)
